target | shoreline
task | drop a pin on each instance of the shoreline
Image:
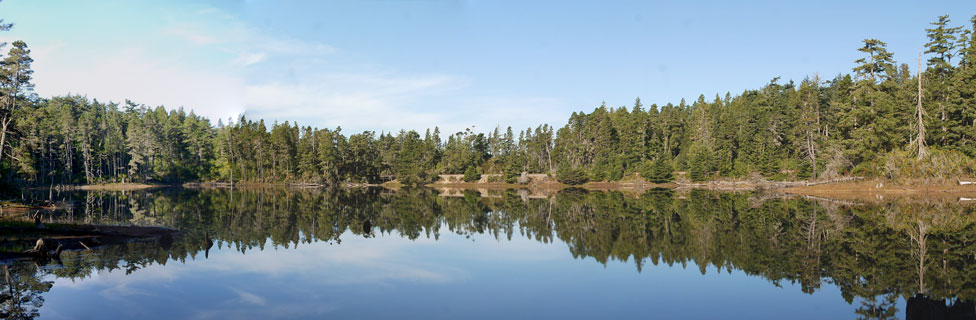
(851, 188)
(879, 189)
(100, 187)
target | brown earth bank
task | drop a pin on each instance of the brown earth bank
(102, 187)
(881, 190)
(117, 186)
(846, 188)
(479, 185)
(548, 187)
(246, 184)
(632, 184)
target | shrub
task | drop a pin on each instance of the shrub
(701, 164)
(657, 171)
(615, 171)
(415, 179)
(940, 164)
(410, 180)
(837, 164)
(512, 172)
(568, 175)
(471, 174)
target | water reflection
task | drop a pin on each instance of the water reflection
(877, 255)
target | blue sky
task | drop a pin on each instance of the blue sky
(387, 65)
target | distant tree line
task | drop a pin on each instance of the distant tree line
(880, 121)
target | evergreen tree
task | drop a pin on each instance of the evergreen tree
(15, 84)
(941, 46)
(471, 174)
(854, 123)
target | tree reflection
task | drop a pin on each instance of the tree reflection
(875, 254)
(22, 293)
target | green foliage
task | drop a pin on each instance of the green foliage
(464, 150)
(571, 176)
(471, 174)
(411, 161)
(701, 163)
(878, 64)
(512, 172)
(940, 164)
(657, 171)
(851, 124)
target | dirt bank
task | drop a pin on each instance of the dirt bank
(102, 187)
(873, 190)
(552, 186)
(478, 185)
(626, 185)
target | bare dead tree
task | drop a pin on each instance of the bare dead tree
(919, 143)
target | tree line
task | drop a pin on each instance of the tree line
(881, 121)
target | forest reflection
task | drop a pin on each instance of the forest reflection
(923, 252)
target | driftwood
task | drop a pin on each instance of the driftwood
(963, 183)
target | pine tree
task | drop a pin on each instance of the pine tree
(878, 65)
(15, 83)
(941, 45)
(871, 102)
(809, 121)
(962, 99)
(471, 174)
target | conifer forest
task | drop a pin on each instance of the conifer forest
(880, 120)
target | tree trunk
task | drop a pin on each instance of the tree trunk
(549, 155)
(811, 150)
(3, 133)
(920, 125)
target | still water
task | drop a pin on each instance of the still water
(374, 253)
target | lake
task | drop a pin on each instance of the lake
(369, 253)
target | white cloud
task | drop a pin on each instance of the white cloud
(191, 33)
(249, 298)
(219, 66)
(249, 58)
(208, 65)
(137, 74)
(293, 47)
(366, 101)
(374, 261)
